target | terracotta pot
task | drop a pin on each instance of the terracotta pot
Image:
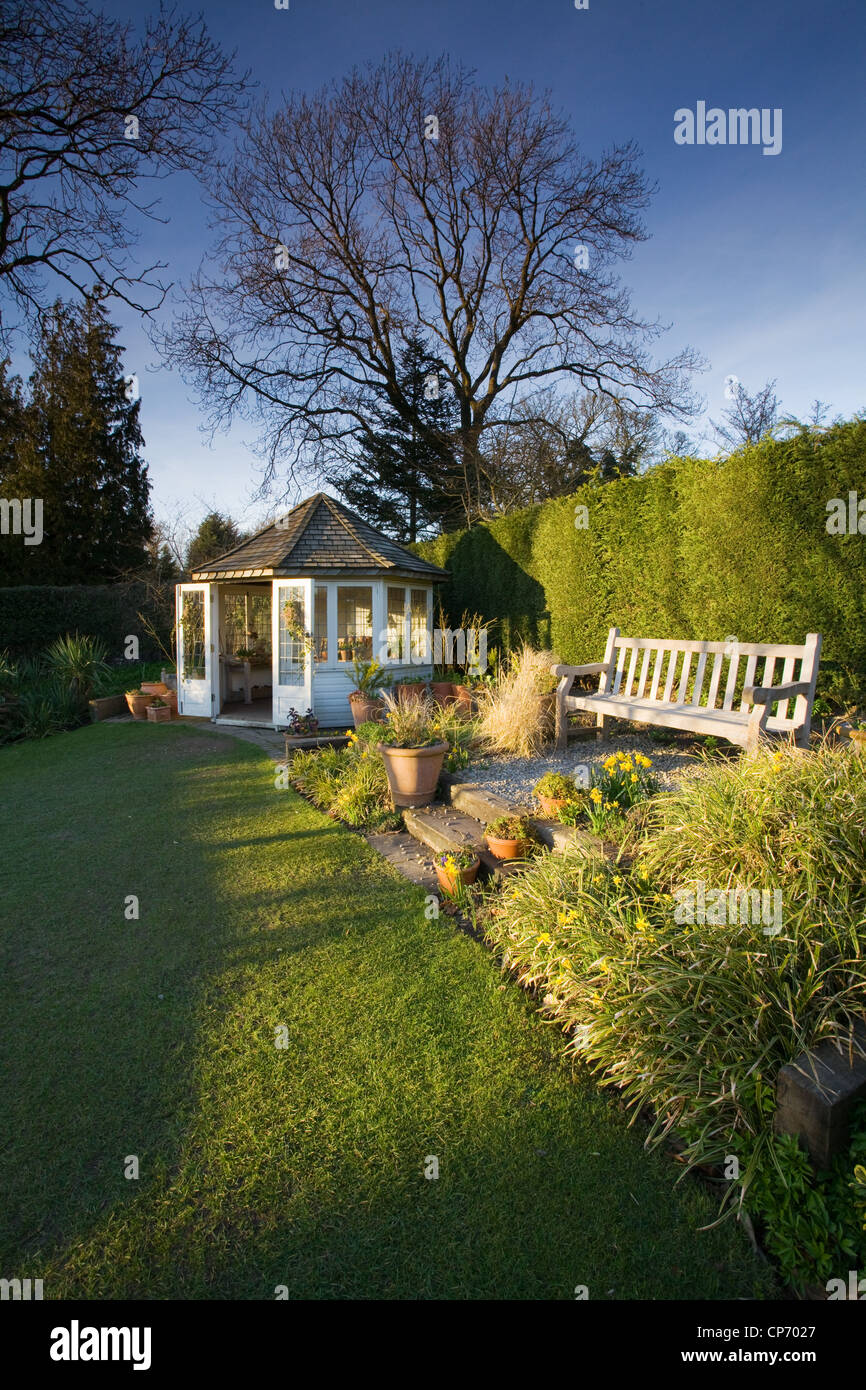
(443, 692)
(551, 805)
(506, 849)
(171, 700)
(137, 704)
(366, 707)
(413, 772)
(154, 688)
(858, 738)
(410, 690)
(158, 714)
(448, 882)
(463, 698)
(106, 707)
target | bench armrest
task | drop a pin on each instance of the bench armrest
(769, 694)
(596, 668)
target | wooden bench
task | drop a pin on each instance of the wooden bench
(677, 684)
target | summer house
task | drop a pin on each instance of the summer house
(276, 623)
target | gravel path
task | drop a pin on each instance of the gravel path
(514, 778)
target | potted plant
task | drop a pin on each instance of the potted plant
(371, 680)
(158, 712)
(554, 790)
(411, 750)
(137, 702)
(411, 690)
(154, 688)
(509, 837)
(302, 725)
(452, 869)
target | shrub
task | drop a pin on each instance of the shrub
(513, 827)
(349, 783)
(78, 662)
(513, 718)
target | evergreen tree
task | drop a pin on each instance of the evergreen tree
(215, 535)
(79, 450)
(404, 478)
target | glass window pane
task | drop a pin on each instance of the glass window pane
(355, 622)
(396, 623)
(419, 636)
(292, 662)
(320, 622)
(193, 636)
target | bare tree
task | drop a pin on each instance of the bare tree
(748, 418)
(553, 443)
(404, 200)
(86, 113)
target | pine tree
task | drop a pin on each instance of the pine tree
(215, 535)
(79, 450)
(404, 479)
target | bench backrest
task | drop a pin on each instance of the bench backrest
(710, 675)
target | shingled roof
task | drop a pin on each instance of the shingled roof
(319, 536)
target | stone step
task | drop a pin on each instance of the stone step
(474, 800)
(442, 828)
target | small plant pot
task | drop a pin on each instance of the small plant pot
(463, 699)
(410, 690)
(366, 707)
(413, 773)
(551, 805)
(443, 692)
(448, 882)
(507, 849)
(138, 704)
(159, 714)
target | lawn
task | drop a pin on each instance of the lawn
(302, 1166)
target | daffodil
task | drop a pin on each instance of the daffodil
(641, 924)
(595, 795)
(544, 939)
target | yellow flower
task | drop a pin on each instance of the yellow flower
(561, 918)
(544, 939)
(597, 878)
(641, 924)
(634, 777)
(595, 795)
(617, 880)
(566, 963)
(596, 998)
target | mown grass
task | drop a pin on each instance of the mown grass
(304, 1166)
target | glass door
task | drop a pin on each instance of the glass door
(293, 644)
(194, 650)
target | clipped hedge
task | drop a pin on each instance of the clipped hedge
(694, 548)
(33, 616)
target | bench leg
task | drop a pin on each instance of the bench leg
(599, 726)
(561, 724)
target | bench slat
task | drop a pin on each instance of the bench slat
(699, 678)
(733, 667)
(750, 679)
(684, 682)
(669, 680)
(714, 682)
(629, 680)
(657, 671)
(643, 671)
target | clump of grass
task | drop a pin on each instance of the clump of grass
(695, 1019)
(349, 783)
(513, 716)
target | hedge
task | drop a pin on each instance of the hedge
(694, 548)
(33, 615)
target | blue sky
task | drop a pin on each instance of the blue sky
(756, 261)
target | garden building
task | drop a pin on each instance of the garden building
(276, 623)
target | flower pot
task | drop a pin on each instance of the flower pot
(551, 805)
(463, 699)
(106, 707)
(410, 690)
(366, 707)
(448, 882)
(413, 772)
(154, 688)
(858, 738)
(137, 704)
(506, 849)
(158, 714)
(171, 701)
(443, 692)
